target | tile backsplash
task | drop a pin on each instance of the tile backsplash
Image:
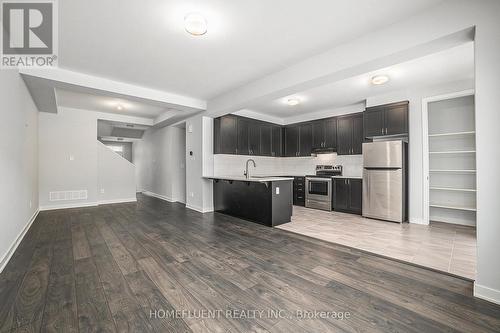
(234, 165)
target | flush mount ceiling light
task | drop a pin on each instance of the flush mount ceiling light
(380, 79)
(293, 101)
(119, 107)
(195, 24)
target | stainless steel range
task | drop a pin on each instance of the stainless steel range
(319, 189)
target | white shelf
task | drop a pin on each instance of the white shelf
(453, 152)
(452, 171)
(452, 189)
(451, 134)
(453, 207)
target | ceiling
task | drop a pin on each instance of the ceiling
(144, 42)
(451, 65)
(108, 104)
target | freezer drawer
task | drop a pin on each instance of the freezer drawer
(383, 194)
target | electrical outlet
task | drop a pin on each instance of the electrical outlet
(277, 190)
(191, 194)
(71, 157)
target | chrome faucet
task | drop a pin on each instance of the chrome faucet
(247, 174)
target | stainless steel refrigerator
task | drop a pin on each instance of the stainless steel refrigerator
(385, 180)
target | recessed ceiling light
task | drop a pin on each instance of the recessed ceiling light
(293, 101)
(380, 79)
(195, 24)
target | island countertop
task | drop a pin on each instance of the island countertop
(259, 179)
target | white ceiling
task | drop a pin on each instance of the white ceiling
(144, 42)
(108, 104)
(454, 64)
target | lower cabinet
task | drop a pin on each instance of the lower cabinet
(348, 195)
(299, 193)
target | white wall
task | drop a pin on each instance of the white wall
(234, 165)
(160, 163)
(199, 142)
(116, 176)
(18, 161)
(68, 156)
(415, 167)
(69, 160)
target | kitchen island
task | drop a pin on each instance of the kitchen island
(264, 200)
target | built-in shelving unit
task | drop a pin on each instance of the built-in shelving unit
(452, 161)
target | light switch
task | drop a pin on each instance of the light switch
(71, 157)
(277, 190)
(190, 128)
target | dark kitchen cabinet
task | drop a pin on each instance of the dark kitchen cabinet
(318, 134)
(357, 135)
(305, 139)
(388, 119)
(266, 136)
(324, 134)
(331, 133)
(276, 141)
(396, 119)
(374, 124)
(248, 136)
(299, 194)
(356, 195)
(292, 141)
(350, 134)
(347, 195)
(243, 129)
(254, 138)
(226, 135)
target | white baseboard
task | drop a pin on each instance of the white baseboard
(199, 209)
(488, 294)
(116, 201)
(417, 221)
(71, 205)
(159, 196)
(17, 241)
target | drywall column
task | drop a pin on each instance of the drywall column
(199, 163)
(487, 53)
(18, 162)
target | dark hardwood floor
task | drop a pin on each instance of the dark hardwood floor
(124, 268)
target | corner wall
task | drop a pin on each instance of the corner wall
(18, 162)
(199, 141)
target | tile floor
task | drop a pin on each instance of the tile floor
(442, 246)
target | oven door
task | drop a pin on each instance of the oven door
(319, 193)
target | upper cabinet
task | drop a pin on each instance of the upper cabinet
(248, 136)
(226, 135)
(343, 134)
(350, 134)
(245, 136)
(277, 141)
(292, 134)
(388, 119)
(324, 135)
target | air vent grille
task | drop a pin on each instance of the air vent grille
(68, 195)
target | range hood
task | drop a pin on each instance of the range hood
(323, 150)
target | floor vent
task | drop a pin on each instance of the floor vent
(68, 195)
